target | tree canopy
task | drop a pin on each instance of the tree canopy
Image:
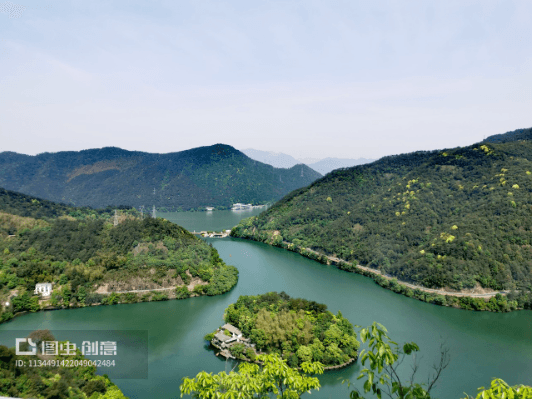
(273, 376)
(458, 219)
(297, 329)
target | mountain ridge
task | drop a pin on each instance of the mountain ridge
(217, 175)
(456, 218)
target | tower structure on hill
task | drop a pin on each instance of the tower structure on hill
(153, 212)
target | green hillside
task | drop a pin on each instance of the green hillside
(24, 205)
(89, 260)
(457, 218)
(217, 176)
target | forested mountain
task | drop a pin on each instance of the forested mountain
(515, 135)
(90, 259)
(217, 176)
(456, 218)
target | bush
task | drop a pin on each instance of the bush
(237, 350)
(199, 289)
(93, 297)
(159, 296)
(182, 292)
(250, 354)
(94, 386)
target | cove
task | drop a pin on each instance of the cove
(482, 344)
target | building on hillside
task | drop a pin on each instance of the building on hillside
(45, 289)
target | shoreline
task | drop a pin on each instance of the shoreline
(456, 300)
(125, 301)
(326, 368)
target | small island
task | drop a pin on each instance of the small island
(297, 329)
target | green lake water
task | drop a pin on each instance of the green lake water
(482, 345)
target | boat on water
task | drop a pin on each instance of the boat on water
(239, 207)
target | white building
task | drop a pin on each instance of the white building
(45, 289)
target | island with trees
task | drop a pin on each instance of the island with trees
(296, 329)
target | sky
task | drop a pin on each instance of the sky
(311, 79)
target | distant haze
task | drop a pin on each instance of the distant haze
(326, 165)
(322, 166)
(276, 159)
(313, 79)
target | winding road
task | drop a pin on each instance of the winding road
(413, 286)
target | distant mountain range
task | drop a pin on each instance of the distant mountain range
(276, 159)
(217, 175)
(323, 166)
(327, 165)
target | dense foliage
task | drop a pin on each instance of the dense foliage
(515, 135)
(382, 373)
(53, 382)
(252, 381)
(80, 255)
(25, 206)
(499, 389)
(297, 329)
(458, 218)
(216, 176)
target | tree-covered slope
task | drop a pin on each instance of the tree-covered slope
(515, 135)
(456, 218)
(89, 259)
(28, 206)
(218, 176)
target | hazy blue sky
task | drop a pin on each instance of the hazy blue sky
(309, 78)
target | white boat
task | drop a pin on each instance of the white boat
(239, 207)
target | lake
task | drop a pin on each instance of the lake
(482, 345)
(210, 220)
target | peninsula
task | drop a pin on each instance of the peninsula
(55, 256)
